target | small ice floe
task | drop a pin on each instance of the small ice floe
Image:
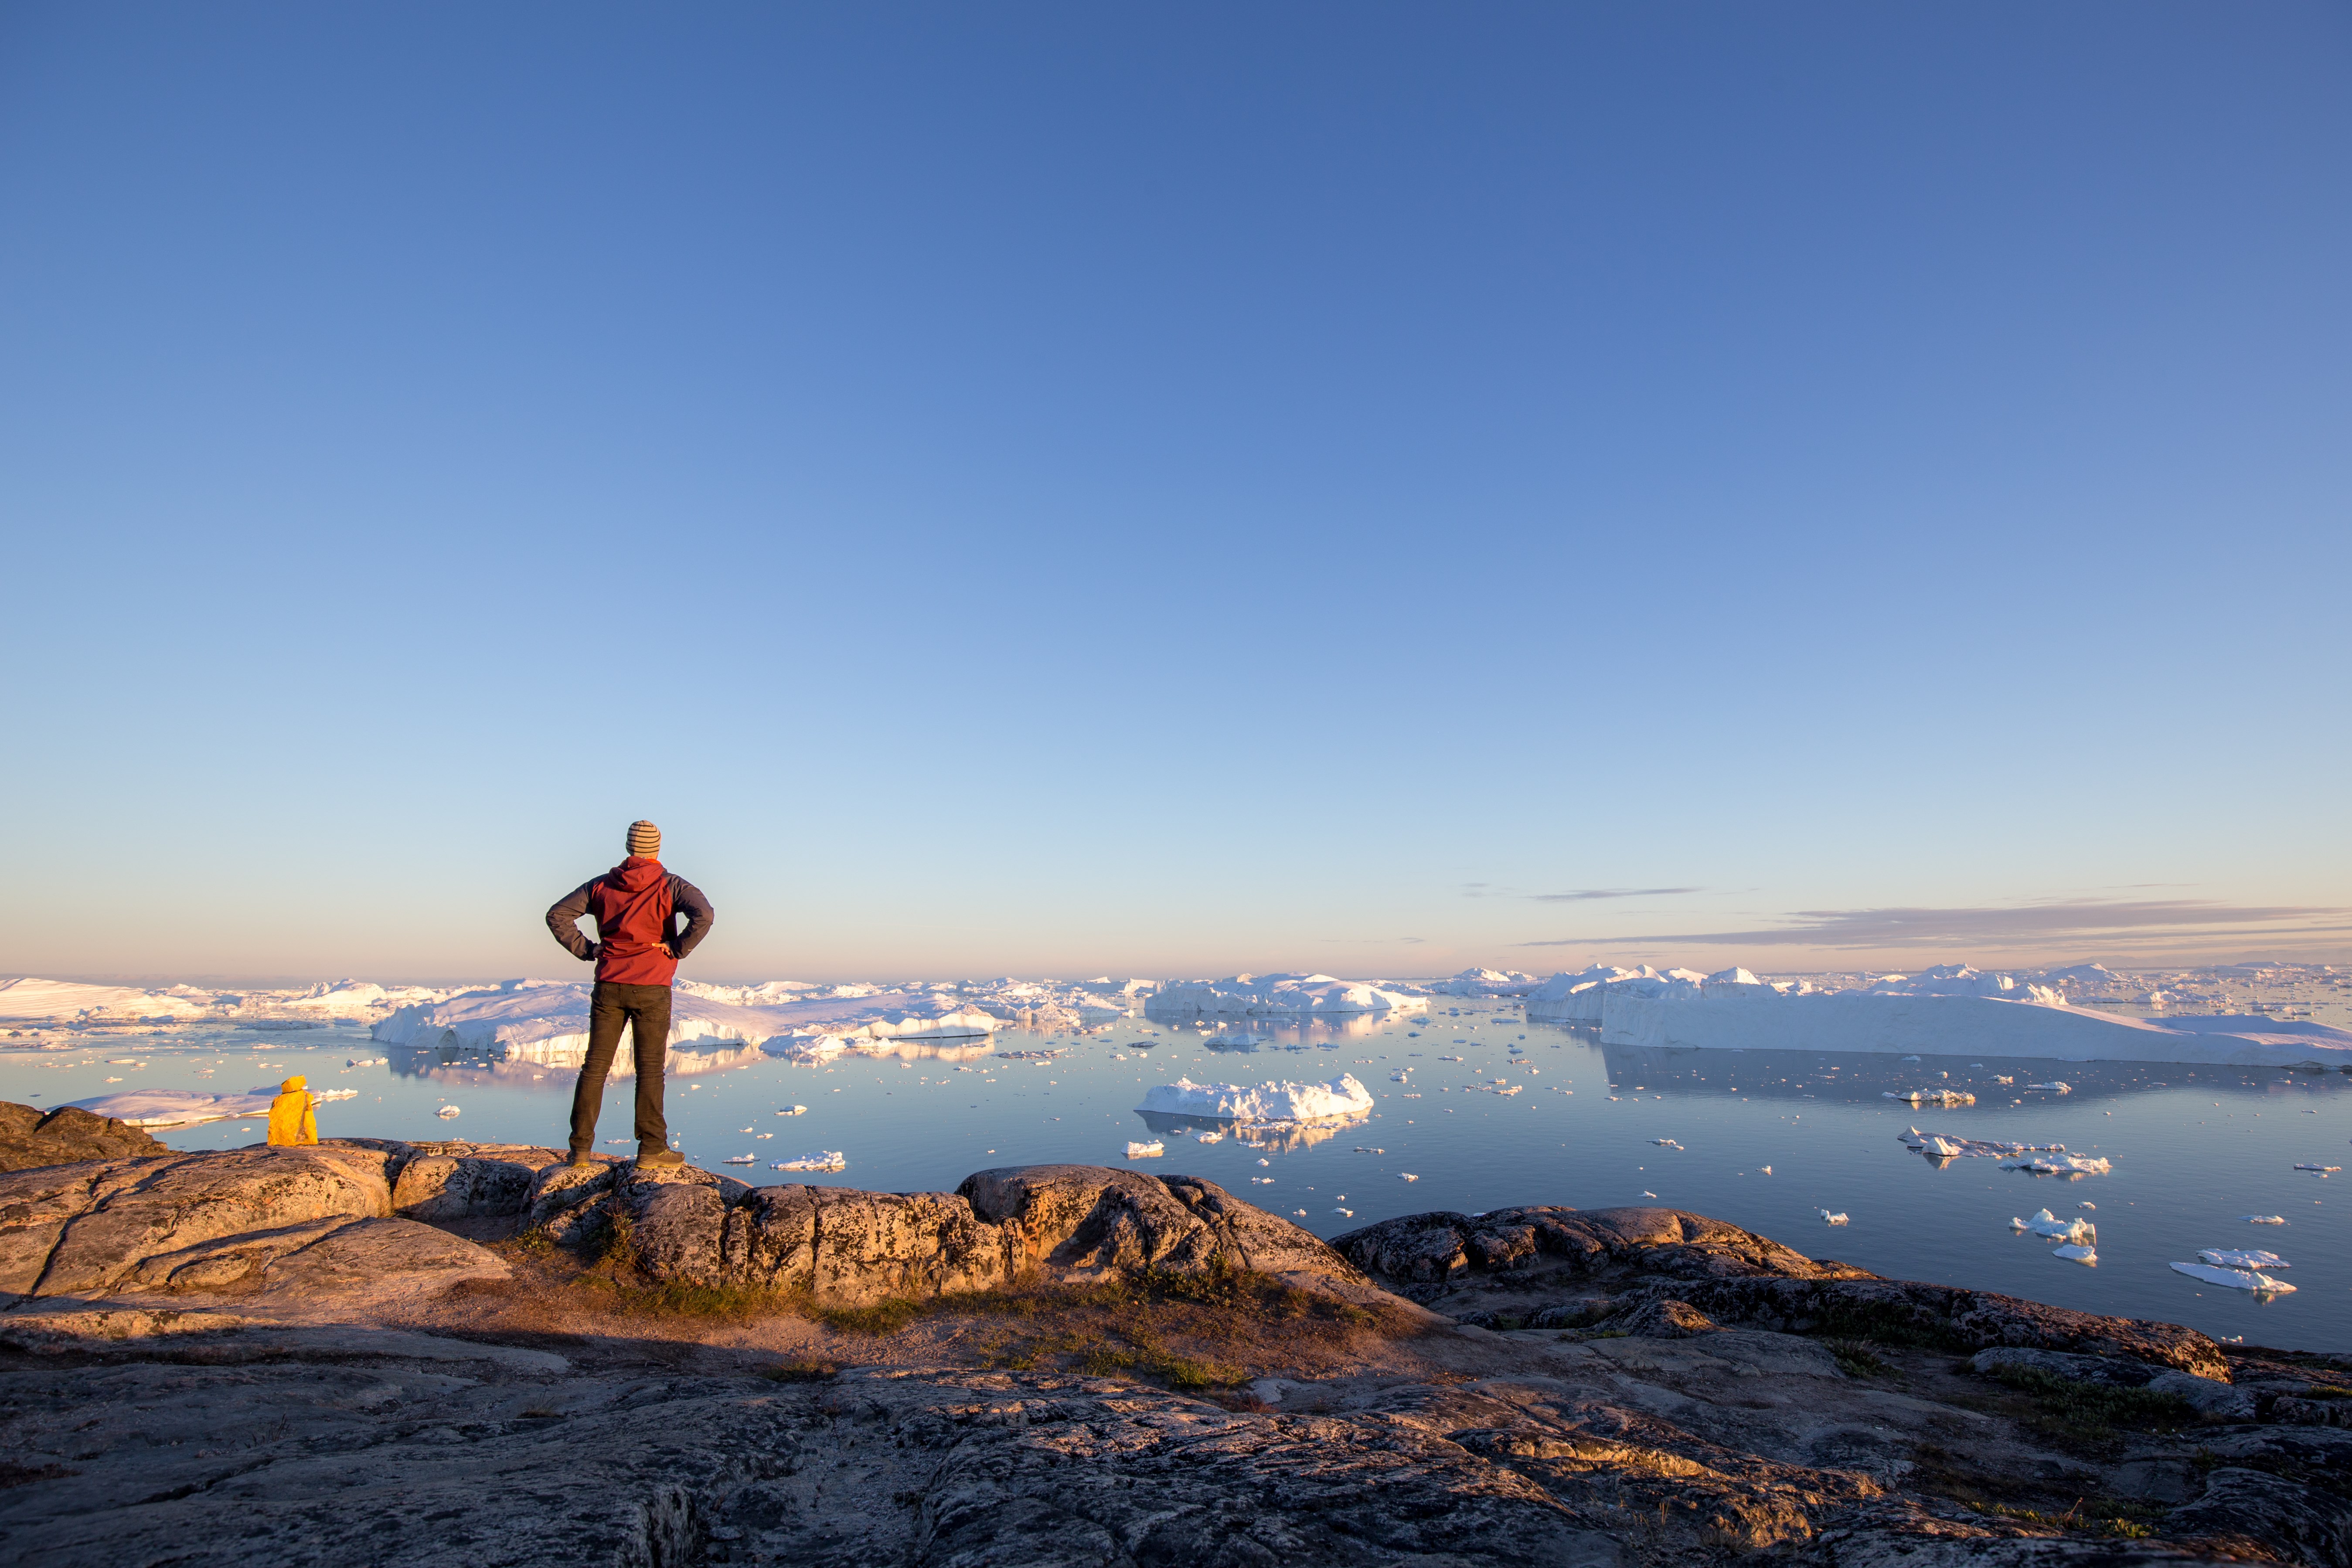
(2060, 1164)
(334, 1094)
(1767, 1170)
(2054, 1086)
(2073, 1252)
(1347, 1214)
(1208, 1137)
(2263, 1218)
(1151, 1150)
(823, 1160)
(2044, 1223)
(1830, 1218)
(1910, 1058)
(1453, 1058)
(1266, 1162)
(1648, 1193)
(1933, 1097)
(2235, 1278)
(758, 1135)
(1667, 1144)
(1363, 1149)
(2320, 1169)
(2233, 1258)
(448, 1111)
(1407, 1176)
(793, 1110)
(124, 1062)
(2086, 1206)
(1300, 1213)
(740, 1160)
(1399, 1076)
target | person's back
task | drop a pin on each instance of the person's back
(636, 951)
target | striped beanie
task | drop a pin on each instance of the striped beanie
(645, 839)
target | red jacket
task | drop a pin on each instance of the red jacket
(635, 904)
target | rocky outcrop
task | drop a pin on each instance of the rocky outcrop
(1547, 1244)
(212, 1220)
(840, 1246)
(31, 1138)
(89, 1229)
(1726, 1274)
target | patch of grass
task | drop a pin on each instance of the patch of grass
(2090, 1413)
(2111, 1517)
(801, 1371)
(1129, 1353)
(1856, 1359)
(881, 1318)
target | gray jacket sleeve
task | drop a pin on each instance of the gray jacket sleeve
(684, 895)
(563, 919)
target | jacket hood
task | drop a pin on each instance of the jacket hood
(297, 1082)
(636, 873)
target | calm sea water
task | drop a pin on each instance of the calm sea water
(2193, 1147)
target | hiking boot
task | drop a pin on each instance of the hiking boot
(581, 1157)
(661, 1157)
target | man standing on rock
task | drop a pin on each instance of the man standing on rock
(638, 949)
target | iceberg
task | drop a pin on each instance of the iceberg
(2235, 1278)
(32, 1000)
(2060, 1164)
(1151, 1150)
(2045, 1224)
(2076, 1253)
(1278, 994)
(822, 1160)
(1485, 983)
(177, 1106)
(1951, 1011)
(2263, 1218)
(1952, 1146)
(2229, 1257)
(1341, 1098)
(546, 1021)
(1827, 1217)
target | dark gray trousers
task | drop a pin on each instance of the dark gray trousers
(645, 1010)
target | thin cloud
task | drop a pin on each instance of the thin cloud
(1582, 894)
(2113, 923)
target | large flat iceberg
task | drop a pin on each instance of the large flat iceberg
(1341, 1098)
(1951, 1010)
(1278, 994)
(177, 1106)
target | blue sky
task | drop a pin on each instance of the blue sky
(1156, 489)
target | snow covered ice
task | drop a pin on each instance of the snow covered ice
(177, 1106)
(1951, 1010)
(2045, 1224)
(1279, 995)
(1151, 1150)
(2235, 1278)
(822, 1160)
(1341, 1098)
(2235, 1257)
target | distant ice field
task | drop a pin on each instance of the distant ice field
(2192, 1149)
